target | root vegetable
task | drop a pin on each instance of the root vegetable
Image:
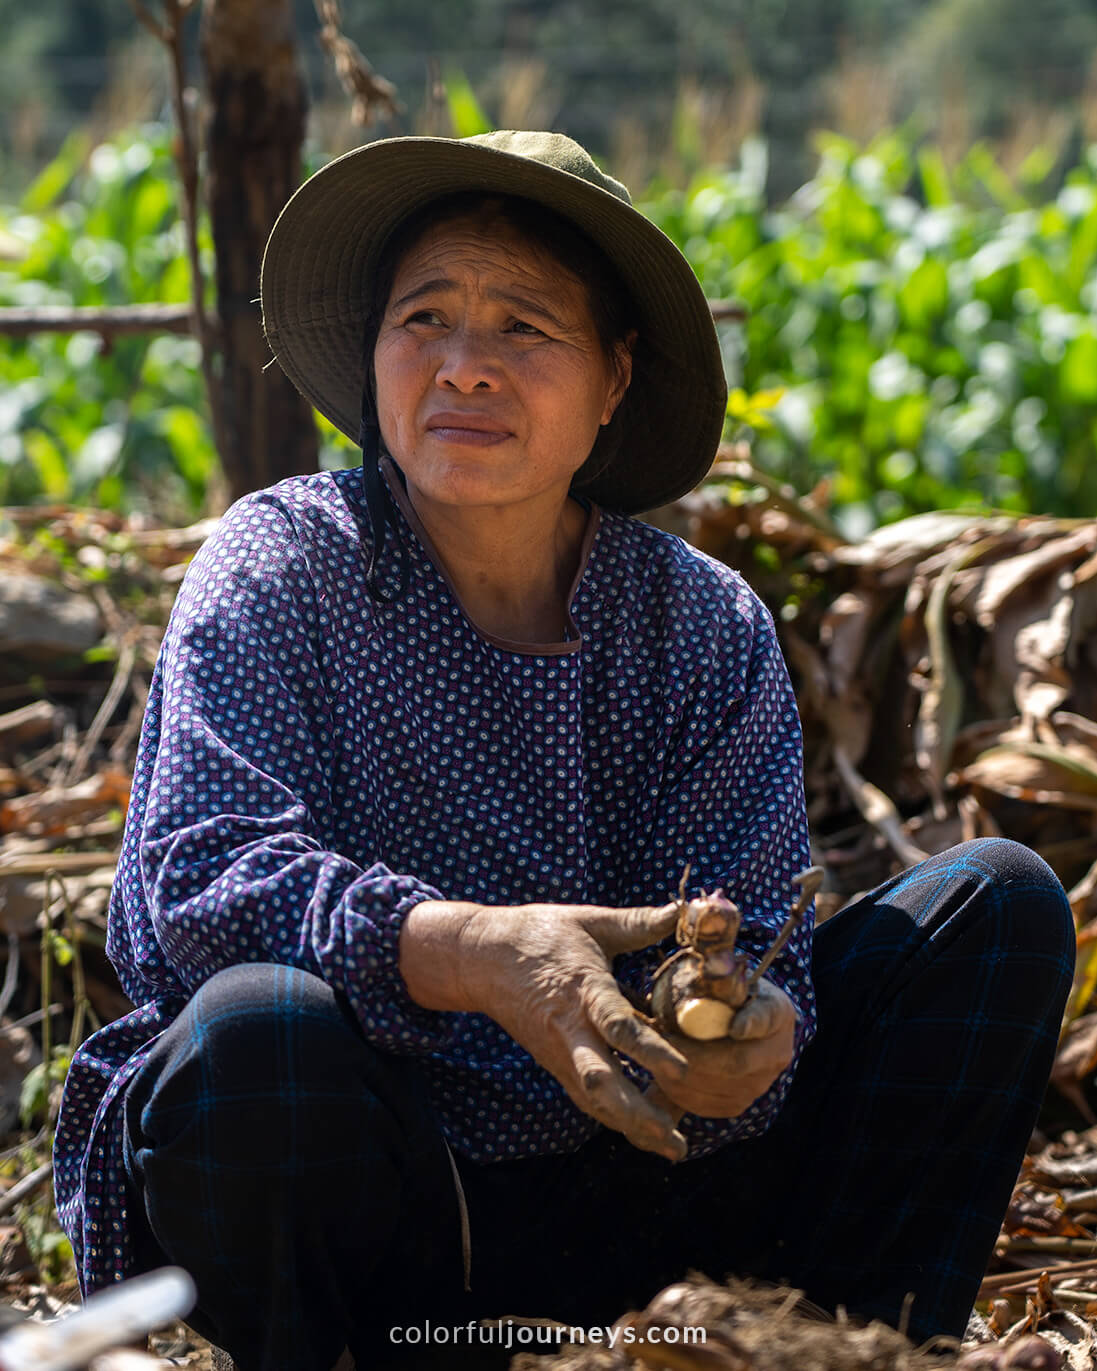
(702, 1019)
(700, 987)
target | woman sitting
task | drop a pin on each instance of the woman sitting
(428, 746)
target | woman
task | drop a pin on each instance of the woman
(424, 759)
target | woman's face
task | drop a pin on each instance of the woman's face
(491, 378)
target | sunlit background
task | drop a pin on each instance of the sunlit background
(901, 194)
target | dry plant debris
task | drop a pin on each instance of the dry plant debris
(372, 96)
(752, 1328)
(946, 670)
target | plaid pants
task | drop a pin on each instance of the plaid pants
(301, 1177)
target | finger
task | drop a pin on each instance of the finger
(715, 1058)
(768, 1011)
(713, 1063)
(656, 1096)
(755, 1019)
(623, 1029)
(728, 1103)
(601, 1090)
(627, 930)
(723, 1083)
(726, 1077)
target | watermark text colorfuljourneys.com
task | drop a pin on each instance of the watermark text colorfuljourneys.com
(507, 1333)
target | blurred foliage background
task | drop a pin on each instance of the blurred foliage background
(902, 194)
(647, 84)
(120, 427)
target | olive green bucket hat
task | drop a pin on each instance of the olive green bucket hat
(328, 238)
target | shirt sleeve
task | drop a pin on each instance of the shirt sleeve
(730, 802)
(237, 857)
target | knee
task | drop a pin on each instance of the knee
(254, 1035)
(1026, 899)
(262, 1011)
(1011, 864)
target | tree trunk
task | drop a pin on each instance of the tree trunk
(257, 107)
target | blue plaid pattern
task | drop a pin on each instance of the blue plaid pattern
(277, 1156)
(942, 995)
(886, 1172)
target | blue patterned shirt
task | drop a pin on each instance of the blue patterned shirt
(313, 764)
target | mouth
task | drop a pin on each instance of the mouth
(469, 430)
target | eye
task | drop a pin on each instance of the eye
(522, 326)
(423, 316)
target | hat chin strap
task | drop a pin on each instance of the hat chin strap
(379, 504)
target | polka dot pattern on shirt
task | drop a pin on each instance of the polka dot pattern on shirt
(311, 765)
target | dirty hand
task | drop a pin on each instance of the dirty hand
(543, 973)
(726, 1075)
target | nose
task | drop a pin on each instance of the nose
(469, 362)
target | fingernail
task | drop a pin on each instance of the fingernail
(679, 1149)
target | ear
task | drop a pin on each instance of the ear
(622, 375)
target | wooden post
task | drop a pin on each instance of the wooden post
(254, 134)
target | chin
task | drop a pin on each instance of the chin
(465, 483)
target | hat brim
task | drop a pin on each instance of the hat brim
(326, 241)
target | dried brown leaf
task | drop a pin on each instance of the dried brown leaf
(910, 541)
(1083, 901)
(980, 737)
(1037, 1213)
(1028, 647)
(1077, 759)
(1065, 1171)
(847, 718)
(21, 727)
(53, 811)
(843, 635)
(942, 705)
(1034, 772)
(1073, 728)
(1077, 1054)
(1005, 578)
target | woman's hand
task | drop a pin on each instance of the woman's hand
(543, 973)
(726, 1075)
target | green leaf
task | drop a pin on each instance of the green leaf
(1078, 370)
(1083, 250)
(980, 160)
(152, 206)
(46, 458)
(104, 652)
(923, 297)
(32, 1095)
(934, 174)
(753, 410)
(57, 175)
(60, 947)
(191, 444)
(465, 113)
(1037, 165)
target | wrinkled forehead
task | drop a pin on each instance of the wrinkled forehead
(482, 240)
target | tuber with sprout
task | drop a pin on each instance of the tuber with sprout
(699, 988)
